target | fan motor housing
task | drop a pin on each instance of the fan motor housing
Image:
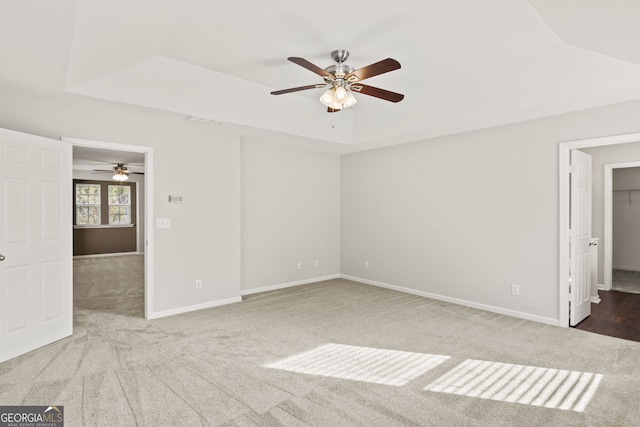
(342, 69)
(338, 71)
(340, 55)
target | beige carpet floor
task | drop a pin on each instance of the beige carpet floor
(333, 353)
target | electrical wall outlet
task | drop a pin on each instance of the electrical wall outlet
(515, 289)
(199, 284)
(299, 266)
(366, 264)
(317, 264)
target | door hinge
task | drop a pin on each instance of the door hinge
(572, 168)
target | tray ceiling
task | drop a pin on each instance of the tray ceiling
(465, 64)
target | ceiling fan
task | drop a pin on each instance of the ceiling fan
(341, 80)
(120, 172)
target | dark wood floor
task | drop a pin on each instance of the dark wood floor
(617, 315)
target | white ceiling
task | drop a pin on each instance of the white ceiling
(466, 64)
(92, 159)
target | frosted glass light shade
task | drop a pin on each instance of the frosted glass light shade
(327, 97)
(338, 98)
(349, 100)
(120, 177)
(340, 94)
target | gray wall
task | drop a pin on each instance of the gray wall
(290, 214)
(462, 216)
(466, 216)
(290, 197)
(204, 242)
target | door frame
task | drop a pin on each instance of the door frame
(564, 152)
(608, 218)
(148, 204)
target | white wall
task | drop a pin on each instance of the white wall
(290, 214)
(198, 161)
(601, 156)
(139, 179)
(463, 216)
(466, 216)
(626, 219)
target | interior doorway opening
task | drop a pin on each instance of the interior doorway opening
(104, 264)
(565, 210)
(610, 197)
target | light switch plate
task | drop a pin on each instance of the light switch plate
(163, 222)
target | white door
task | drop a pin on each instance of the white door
(36, 290)
(580, 262)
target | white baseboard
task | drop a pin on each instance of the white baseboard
(491, 308)
(596, 299)
(615, 267)
(180, 310)
(601, 287)
(288, 285)
(107, 255)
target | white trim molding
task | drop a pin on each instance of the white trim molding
(181, 310)
(108, 255)
(485, 307)
(84, 226)
(289, 284)
(619, 267)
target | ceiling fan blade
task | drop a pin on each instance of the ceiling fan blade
(311, 67)
(376, 69)
(333, 110)
(297, 89)
(387, 95)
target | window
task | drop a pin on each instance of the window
(100, 204)
(87, 204)
(119, 204)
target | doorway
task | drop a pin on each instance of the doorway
(145, 219)
(564, 212)
(625, 194)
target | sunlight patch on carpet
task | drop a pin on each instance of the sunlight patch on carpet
(529, 385)
(372, 365)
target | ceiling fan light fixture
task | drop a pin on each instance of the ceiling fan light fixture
(332, 103)
(338, 98)
(350, 100)
(340, 93)
(119, 176)
(342, 78)
(327, 97)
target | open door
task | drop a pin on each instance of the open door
(36, 289)
(580, 262)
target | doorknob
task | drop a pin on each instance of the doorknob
(1, 257)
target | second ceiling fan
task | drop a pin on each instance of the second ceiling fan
(119, 171)
(341, 80)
